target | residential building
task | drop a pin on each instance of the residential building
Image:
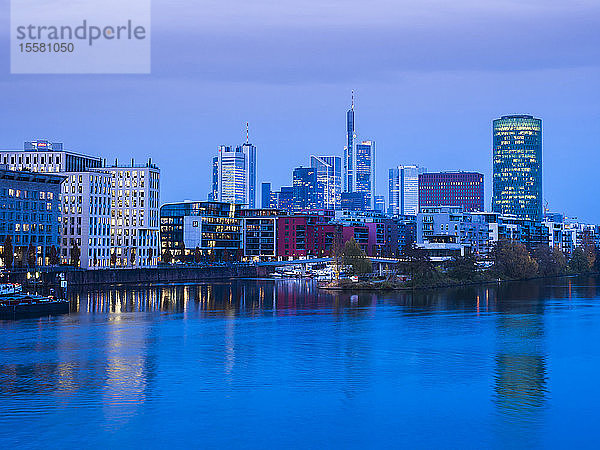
(296, 235)
(29, 214)
(464, 189)
(86, 219)
(517, 171)
(259, 232)
(568, 234)
(451, 225)
(383, 231)
(404, 190)
(213, 228)
(329, 176)
(530, 232)
(135, 202)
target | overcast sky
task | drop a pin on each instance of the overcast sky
(429, 77)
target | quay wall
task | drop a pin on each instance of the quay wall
(150, 275)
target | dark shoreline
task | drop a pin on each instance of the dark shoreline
(361, 287)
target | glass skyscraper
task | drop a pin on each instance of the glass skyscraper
(365, 171)
(235, 174)
(404, 190)
(349, 149)
(517, 177)
(329, 178)
(307, 194)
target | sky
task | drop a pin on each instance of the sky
(429, 76)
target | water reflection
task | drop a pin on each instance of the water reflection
(225, 350)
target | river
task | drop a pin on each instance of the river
(276, 364)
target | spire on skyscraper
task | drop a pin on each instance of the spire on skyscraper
(352, 98)
(247, 133)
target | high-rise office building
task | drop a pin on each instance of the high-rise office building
(234, 172)
(285, 199)
(329, 177)
(349, 149)
(464, 189)
(379, 203)
(214, 192)
(265, 195)
(404, 190)
(308, 194)
(365, 171)
(517, 177)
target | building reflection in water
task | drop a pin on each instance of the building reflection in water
(520, 382)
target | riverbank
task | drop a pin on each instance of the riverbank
(347, 285)
(51, 277)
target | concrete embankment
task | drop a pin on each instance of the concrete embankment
(151, 275)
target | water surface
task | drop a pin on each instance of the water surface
(261, 363)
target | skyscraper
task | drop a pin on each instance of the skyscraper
(379, 204)
(329, 177)
(404, 190)
(285, 199)
(265, 195)
(307, 193)
(464, 189)
(349, 149)
(365, 171)
(235, 174)
(517, 177)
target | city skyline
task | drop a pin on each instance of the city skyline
(251, 189)
(422, 102)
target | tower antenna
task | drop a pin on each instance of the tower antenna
(247, 133)
(352, 98)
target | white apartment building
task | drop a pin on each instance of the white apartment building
(134, 223)
(85, 218)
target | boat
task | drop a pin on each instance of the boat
(17, 305)
(10, 289)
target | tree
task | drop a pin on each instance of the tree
(355, 257)
(551, 261)
(113, 259)
(197, 255)
(419, 266)
(463, 268)
(589, 247)
(512, 260)
(75, 254)
(8, 253)
(150, 255)
(579, 262)
(31, 256)
(337, 254)
(53, 257)
(132, 259)
(167, 256)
